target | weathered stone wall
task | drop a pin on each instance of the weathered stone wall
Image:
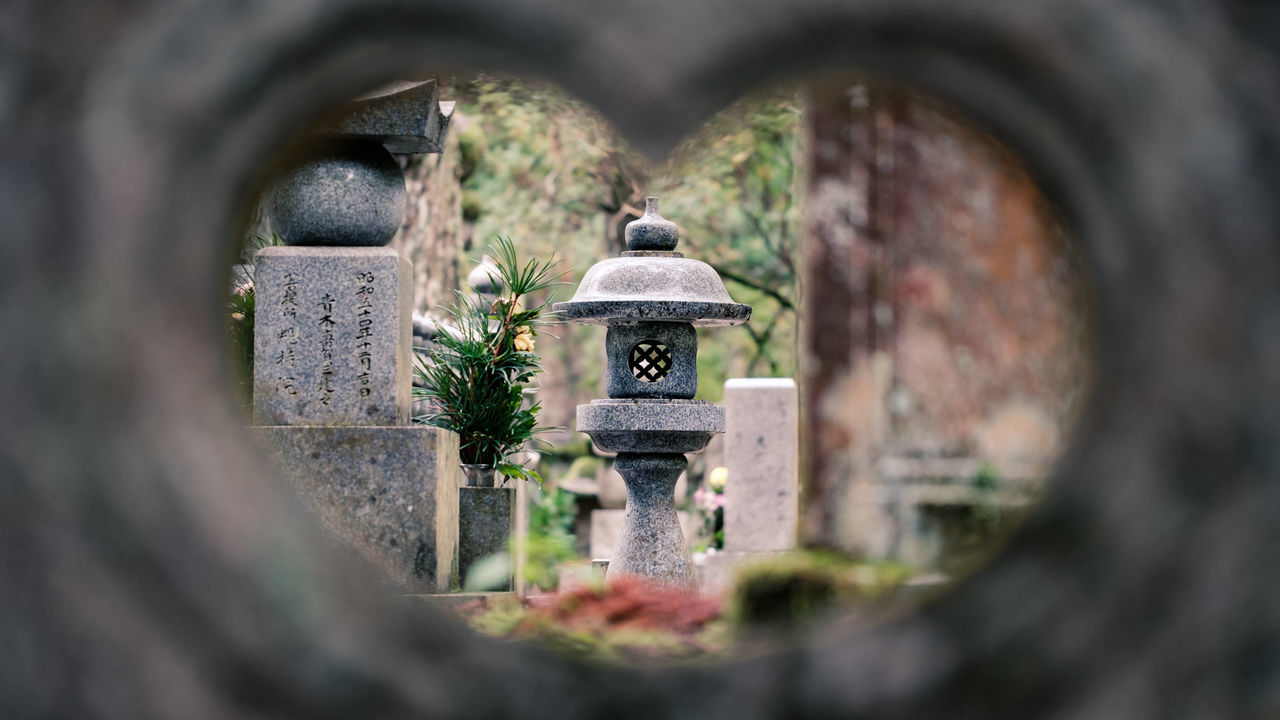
(952, 332)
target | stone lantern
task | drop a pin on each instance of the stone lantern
(651, 299)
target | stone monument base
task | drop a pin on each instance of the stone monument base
(486, 522)
(389, 492)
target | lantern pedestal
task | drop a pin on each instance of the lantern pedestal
(651, 437)
(651, 543)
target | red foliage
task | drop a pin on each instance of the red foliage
(630, 603)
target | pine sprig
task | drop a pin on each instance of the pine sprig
(477, 373)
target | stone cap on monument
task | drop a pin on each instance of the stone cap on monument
(404, 117)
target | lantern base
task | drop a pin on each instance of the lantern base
(651, 544)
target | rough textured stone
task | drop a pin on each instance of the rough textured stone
(649, 425)
(389, 492)
(403, 117)
(655, 288)
(606, 527)
(652, 374)
(486, 519)
(665, 366)
(651, 543)
(651, 231)
(332, 337)
(611, 491)
(339, 192)
(761, 447)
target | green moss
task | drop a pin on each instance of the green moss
(799, 588)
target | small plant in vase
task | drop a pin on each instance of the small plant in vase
(476, 372)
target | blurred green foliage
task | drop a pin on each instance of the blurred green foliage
(550, 541)
(735, 188)
(539, 165)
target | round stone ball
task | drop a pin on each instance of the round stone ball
(340, 192)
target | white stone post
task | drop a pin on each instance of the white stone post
(761, 448)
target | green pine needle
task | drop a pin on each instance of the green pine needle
(476, 373)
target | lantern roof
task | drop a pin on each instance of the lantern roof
(651, 283)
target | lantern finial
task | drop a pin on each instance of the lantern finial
(652, 232)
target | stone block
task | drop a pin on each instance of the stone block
(606, 526)
(404, 117)
(332, 336)
(486, 521)
(391, 493)
(761, 503)
(651, 360)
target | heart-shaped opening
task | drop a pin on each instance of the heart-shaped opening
(903, 268)
(147, 535)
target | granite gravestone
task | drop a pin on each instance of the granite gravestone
(332, 331)
(761, 448)
(333, 343)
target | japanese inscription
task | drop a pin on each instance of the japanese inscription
(287, 357)
(326, 323)
(364, 331)
(331, 338)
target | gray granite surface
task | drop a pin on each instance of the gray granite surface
(332, 337)
(611, 491)
(339, 192)
(486, 520)
(404, 118)
(761, 450)
(653, 287)
(651, 231)
(630, 351)
(606, 527)
(391, 493)
(700, 314)
(644, 425)
(651, 543)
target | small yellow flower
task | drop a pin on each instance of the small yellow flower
(524, 342)
(718, 476)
